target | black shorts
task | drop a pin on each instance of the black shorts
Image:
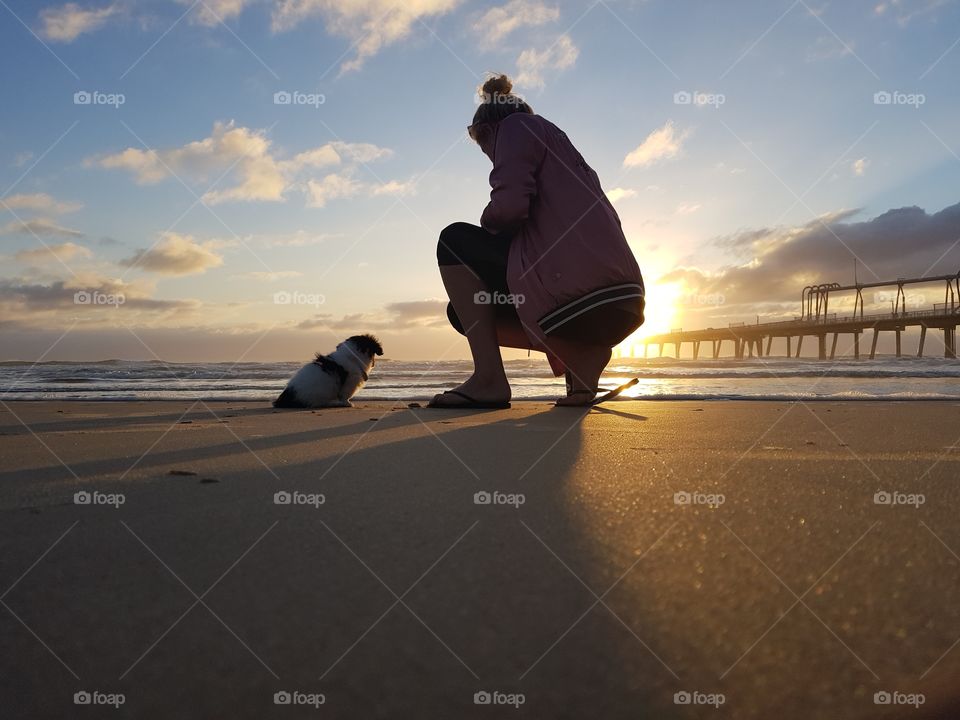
(483, 252)
(486, 255)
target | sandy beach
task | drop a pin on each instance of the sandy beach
(734, 551)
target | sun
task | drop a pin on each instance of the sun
(661, 315)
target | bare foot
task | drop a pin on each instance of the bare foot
(484, 391)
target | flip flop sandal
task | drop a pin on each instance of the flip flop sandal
(470, 403)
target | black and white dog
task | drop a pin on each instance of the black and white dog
(331, 380)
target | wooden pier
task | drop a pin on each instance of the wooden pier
(815, 322)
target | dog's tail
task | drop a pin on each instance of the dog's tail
(288, 399)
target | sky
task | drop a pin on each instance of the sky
(258, 179)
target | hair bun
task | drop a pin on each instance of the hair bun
(497, 85)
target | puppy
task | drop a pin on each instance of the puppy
(331, 380)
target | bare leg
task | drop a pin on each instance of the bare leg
(489, 381)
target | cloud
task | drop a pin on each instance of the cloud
(339, 186)
(619, 193)
(498, 22)
(370, 24)
(662, 144)
(828, 47)
(63, 252)
(175, 254)
(29, 303)
(212, 12)
(860, 166)
(686, 208)
(264, 276)
(22, 158)
(394, 187)
(246, 156)
(67, 22)
(243, 152)
(903, 11)
(532, 64)
(779, 262)
(39, 202)
(38, 227)
(331, 187)
(300, 238)
(396, 316)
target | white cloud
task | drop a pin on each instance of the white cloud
(22, 158)
(245, 155)
(264, 276)
(394, 187)
(860, 166)
(828, 47)
(370, 24)
(67, 22)
(532, 64)
(212, 12)
(686, 208)
(40, 227)
(663, 143)
(619, 193)
(903, 11)
(64, 252)
(331, 187)
(38, 202)
(337, 186)
(243, 151)
(498, 22)
(175, 254)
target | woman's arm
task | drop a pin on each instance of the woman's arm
(513, 180)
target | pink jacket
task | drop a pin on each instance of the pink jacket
(569, 254)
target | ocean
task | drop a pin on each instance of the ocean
(885, 378)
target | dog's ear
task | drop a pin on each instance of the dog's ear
(367, 344)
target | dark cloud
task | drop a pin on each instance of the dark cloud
(20, 298)
(42, 227)
(175, 254)
(902, 242)
(395, 316)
